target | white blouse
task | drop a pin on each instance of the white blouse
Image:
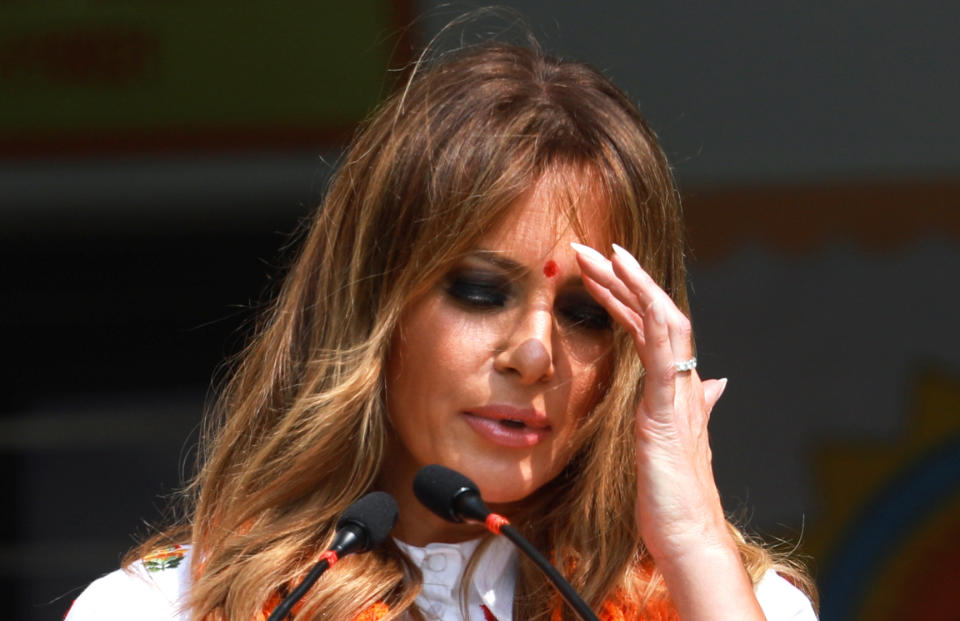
(443, 564)
(492, 585)
(154, 588)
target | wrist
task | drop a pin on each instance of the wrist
(710, 582)
(682, 536)
(715, 553)
(692, 546)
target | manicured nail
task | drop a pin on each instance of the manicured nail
(624, 254)
(588, 252)
(723, 386)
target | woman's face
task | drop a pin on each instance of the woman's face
(492, 369)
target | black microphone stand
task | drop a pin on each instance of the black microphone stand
(280, 612)
(364, 525)
(456, 498)
(569, 595)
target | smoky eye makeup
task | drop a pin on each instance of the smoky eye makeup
(478, 288)
(579, 310)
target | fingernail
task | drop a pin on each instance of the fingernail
(723, 386)
(657, 309)
(624, 254)
(589, 252)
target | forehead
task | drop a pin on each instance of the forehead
(560, 207)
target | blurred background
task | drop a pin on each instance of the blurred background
(156, 159)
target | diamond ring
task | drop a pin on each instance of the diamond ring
(686, 365)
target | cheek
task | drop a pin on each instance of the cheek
(591, 378)
(434, 347)
(405, 376)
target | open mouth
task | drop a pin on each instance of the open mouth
(509, 432)
(513, 424)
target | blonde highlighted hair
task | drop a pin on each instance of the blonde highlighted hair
(299, 431)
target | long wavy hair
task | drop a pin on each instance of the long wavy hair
(299, 431)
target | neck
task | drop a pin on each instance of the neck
(417, 525)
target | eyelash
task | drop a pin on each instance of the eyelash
(483, 292)
(588, 316)
(479, 291)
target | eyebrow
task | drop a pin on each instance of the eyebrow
(496, 258)
(513, 267)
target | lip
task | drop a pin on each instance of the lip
(486, 421)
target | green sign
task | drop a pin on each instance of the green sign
(154, 73)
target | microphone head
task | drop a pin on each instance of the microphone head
(375, 514)
(444, 491)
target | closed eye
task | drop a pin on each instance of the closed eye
(580, 310)
(478, 289)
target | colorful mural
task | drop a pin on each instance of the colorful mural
(890, 536)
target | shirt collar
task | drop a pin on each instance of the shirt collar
(493, 580)
(496, 577)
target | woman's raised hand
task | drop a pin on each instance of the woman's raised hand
(679, 513)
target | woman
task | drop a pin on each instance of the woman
(450, 306)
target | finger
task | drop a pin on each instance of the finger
(594, 266)
(658, 359)
(625, 317)
(628, 269)
(712, 391)
(600, 269)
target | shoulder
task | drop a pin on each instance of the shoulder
(150, 589)
(781, 601)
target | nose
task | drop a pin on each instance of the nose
(527, 349)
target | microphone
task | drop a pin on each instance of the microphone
(449, 494)
(455, 498)
(363, 526)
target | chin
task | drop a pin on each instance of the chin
(506, 483)
(497, 493)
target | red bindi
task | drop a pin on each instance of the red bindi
(550, 268)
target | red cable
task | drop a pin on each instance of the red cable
(495, 522)
(330, 556)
